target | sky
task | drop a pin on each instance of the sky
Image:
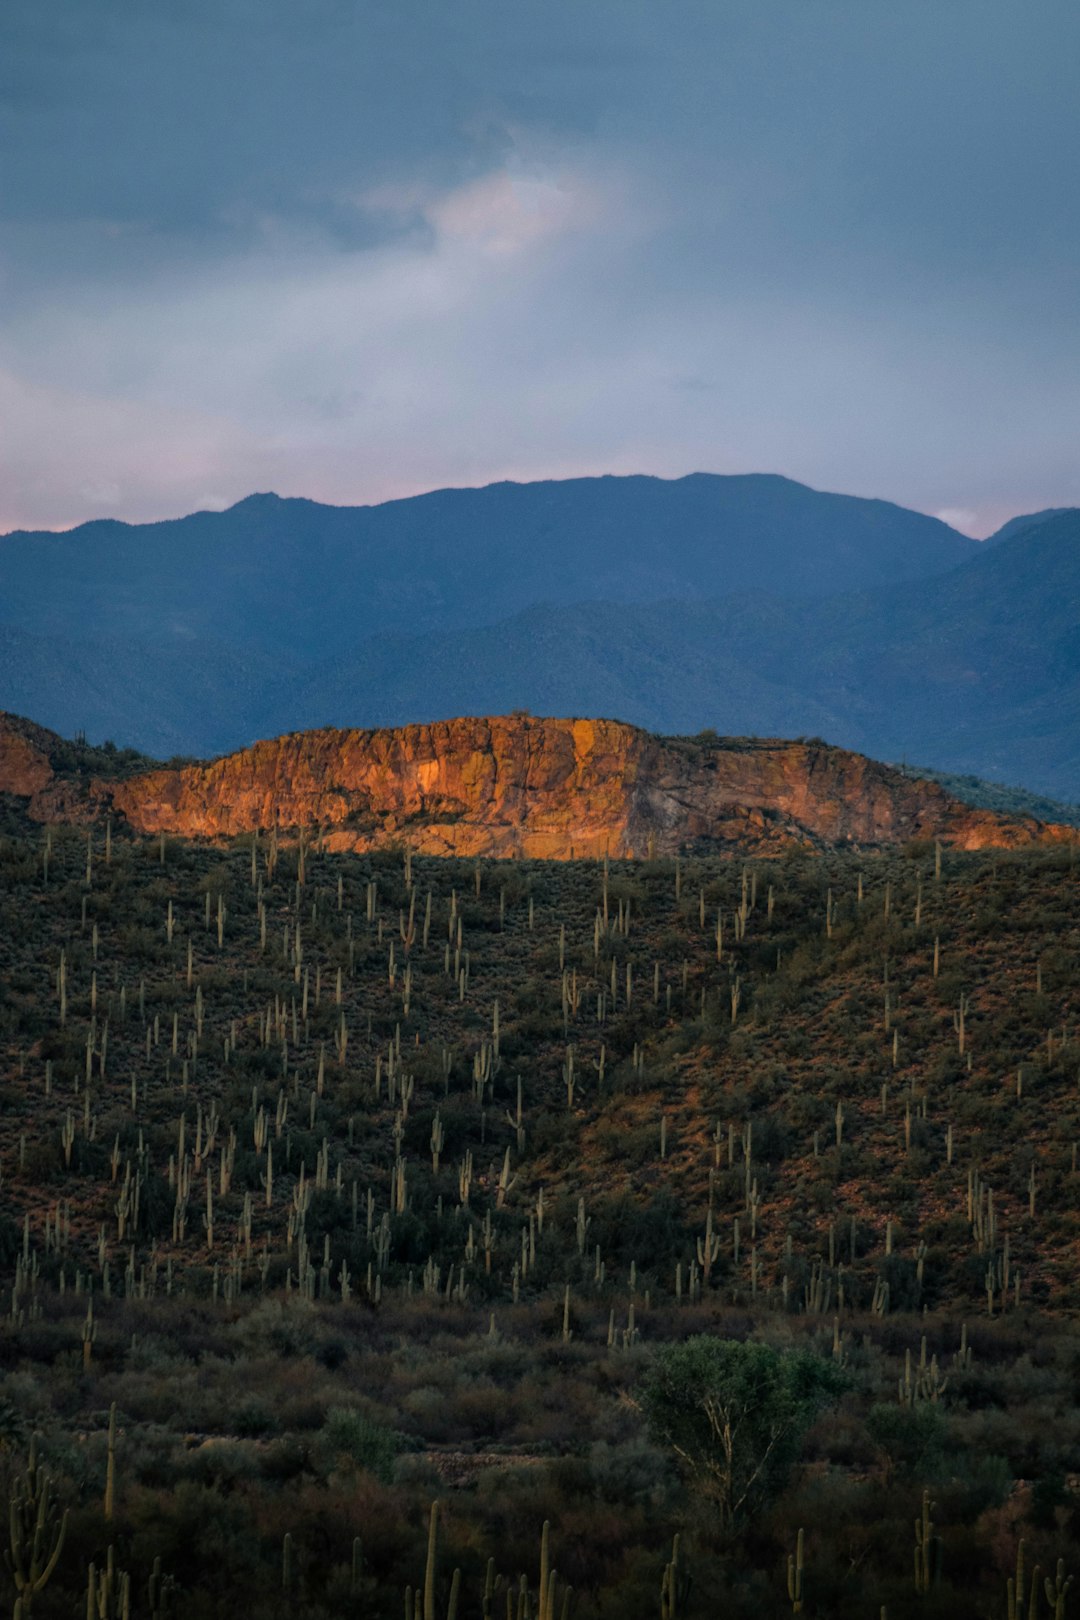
(355, 249)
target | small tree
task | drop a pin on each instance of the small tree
(734, 1414)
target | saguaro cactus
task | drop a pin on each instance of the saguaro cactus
(430, 1573)
(675, 1586)
(36, 1539)
(1017, 1588)
(926, 1547)
(708, 1247)
(1056, 1591)
(795, 1575)
(110, 1466)
(161, 1591)
(108, 1591)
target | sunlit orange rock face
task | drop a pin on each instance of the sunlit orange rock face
(28, 771)
(516, 785)
(463, 787)
(25, 766)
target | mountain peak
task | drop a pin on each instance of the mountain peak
(1025, 522)
(265, 501)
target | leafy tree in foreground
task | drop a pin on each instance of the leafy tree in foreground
(735, 1413)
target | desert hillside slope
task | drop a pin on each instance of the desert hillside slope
(518, 785)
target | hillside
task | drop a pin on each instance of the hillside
(293, 578)
(1025, 520)
(338, 1184)
(170, 696)
(986, 663)
(976, 672)
(983, 795)
(519, 786)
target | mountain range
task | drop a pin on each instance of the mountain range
(748, 605)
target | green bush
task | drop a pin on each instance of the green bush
(351, 1438)
(735, 1414)
(911, 1437)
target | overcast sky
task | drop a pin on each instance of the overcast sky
(353, 249)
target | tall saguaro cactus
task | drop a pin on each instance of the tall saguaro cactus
(108, 1591)
(1057, 1589)
(927, 1547)
(110, 1466)
(36, 1537)
(795, 1575)
(1018, 1589)
(413, 1607)
(548, 1597)
(675, 1586)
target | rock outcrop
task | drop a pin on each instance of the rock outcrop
(517, 785)
(26, 755)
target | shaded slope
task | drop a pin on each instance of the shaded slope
(1025, 520)
(165, 697)
(300, 580)
(976, 671)
(670, 666)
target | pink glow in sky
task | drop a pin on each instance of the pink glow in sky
(833, 242)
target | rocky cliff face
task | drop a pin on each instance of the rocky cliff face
(515, 785)
(33, 769)
(26, 768)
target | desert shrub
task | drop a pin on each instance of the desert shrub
(912, 1439)
(349, 1439)
(734, 1414)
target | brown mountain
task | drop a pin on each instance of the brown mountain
(515, 785)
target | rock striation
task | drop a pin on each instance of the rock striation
(516, 785)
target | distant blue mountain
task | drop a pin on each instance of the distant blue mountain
(750, 605)
(294, 578)
(975, 671)
(1027, 520)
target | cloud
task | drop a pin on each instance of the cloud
(505, 214)
(381, 247)
(958, 517)
(67, 455)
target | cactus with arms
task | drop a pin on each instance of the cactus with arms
(36, 1538)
